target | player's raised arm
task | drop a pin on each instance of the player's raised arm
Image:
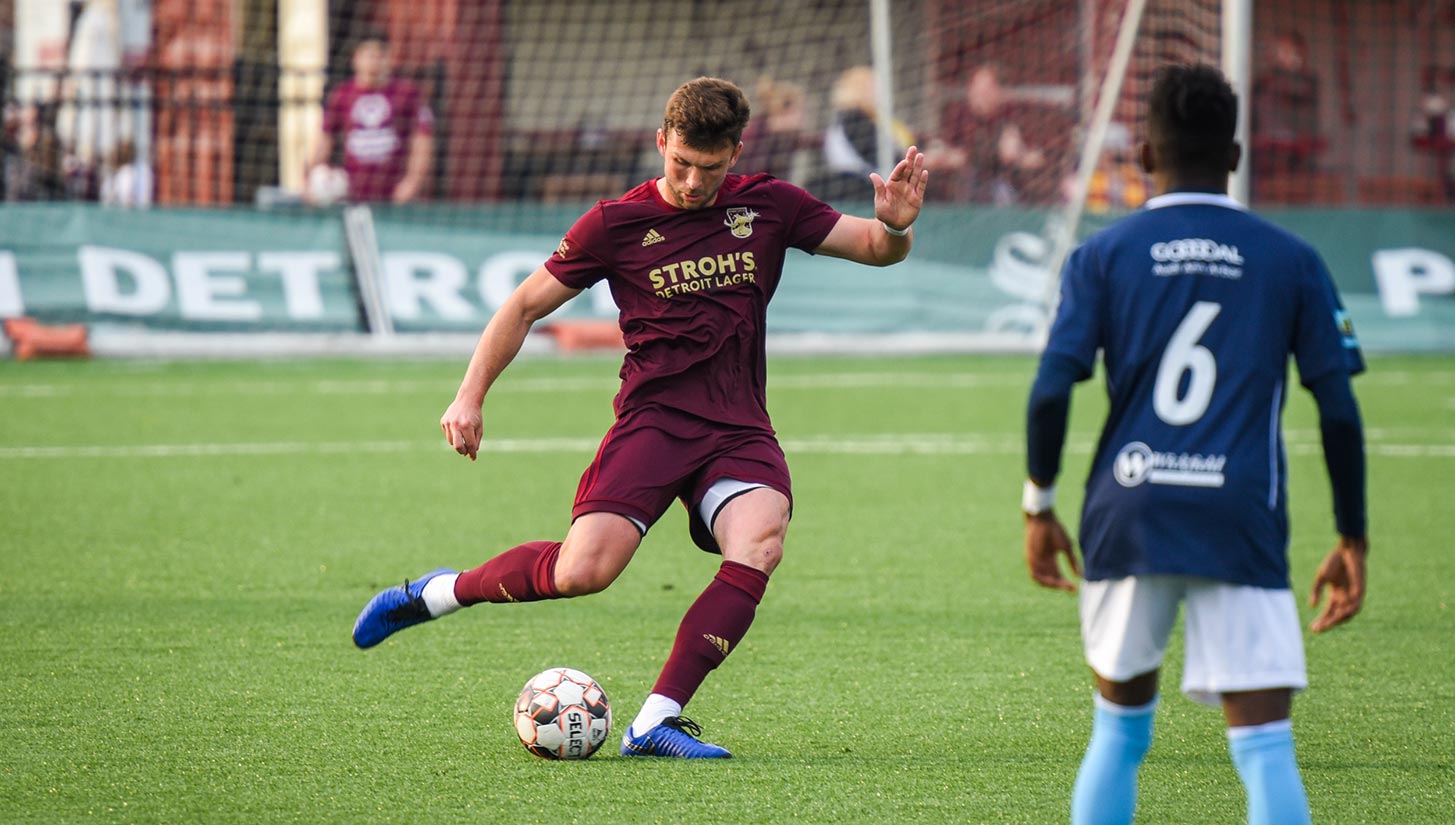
(897, 202)
(538, 296)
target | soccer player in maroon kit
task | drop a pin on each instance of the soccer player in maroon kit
(692, 259)
(387, 128)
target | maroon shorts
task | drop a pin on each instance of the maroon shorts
(653, 455)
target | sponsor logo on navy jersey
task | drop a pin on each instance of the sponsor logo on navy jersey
(1138, 463)
(1196, 256)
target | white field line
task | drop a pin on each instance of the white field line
(904, 444)
(1398, 377)
(605, 384)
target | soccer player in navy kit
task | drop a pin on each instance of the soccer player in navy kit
(692, 259)
(1196, 306)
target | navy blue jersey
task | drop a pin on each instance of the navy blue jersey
(1196, 306)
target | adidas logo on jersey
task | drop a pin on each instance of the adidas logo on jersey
(652, 236)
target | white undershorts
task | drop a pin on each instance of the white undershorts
(721, 492)
(1238, 638)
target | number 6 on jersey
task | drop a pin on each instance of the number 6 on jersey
(1185, 355)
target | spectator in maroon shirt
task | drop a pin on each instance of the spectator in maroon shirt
(692, 259)
(386, 126)
(1000, 162)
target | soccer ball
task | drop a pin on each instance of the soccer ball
(562, 714)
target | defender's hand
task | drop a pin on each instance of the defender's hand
(463, 427)
(1046, 539)
(1342, 572)
(897, 201)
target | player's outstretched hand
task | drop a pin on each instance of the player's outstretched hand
(463, 427)
(897, 201)
(1046, 539)
(1343, 574)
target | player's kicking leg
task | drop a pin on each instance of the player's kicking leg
(749, 528)
(392, 610)
(597, 548)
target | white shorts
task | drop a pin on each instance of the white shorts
(1238, 638)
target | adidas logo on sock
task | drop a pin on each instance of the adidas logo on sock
(718, 642)
(652, 236)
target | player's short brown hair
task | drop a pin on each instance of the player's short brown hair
(707, 112)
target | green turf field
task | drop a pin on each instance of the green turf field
(183, 549)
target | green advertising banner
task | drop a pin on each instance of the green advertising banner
(176, 269)
(977, 274)
(1394, 268)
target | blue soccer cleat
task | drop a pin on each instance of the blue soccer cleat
(676, 736)
(393, 610)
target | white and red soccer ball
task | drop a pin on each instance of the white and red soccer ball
(562, 714)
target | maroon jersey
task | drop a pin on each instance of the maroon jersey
(693, 287)
(376, 125)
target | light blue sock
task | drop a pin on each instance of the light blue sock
(1106, 786)
(1263, 755)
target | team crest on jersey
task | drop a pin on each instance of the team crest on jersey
(1346, 328)
(740, 221)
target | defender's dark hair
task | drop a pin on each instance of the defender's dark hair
(1192, 114)
(707, 112)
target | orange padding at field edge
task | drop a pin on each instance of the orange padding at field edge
(36, 340)
(584, 335)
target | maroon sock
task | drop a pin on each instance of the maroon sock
(713, 626)
(521, 574)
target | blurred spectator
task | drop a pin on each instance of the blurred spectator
(35, 160)
(1285, 122)
(88, 121)
(775, 133)
(999, 161)
(130, 182)
(1118, 182)
(1434, 134)
(387, 128)
(851, 142)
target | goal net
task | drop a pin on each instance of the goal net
(541, 108)
(477, 130)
